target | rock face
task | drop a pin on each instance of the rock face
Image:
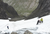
(13, 33)
(27, 32)
(23, 7)
(7, 11)
(6, 33)
(42, 9)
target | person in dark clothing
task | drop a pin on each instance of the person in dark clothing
(7, 27)
(38, 22)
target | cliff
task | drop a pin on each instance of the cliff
(7, 11)
(43, 9)
(24, 9)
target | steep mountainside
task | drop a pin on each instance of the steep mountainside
(23, 7)
(42, 9)
(7, 11)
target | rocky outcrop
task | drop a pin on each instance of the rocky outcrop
(7, 11)
(6, 33)
(13, 33)
(27, 32)
(23, 7)
(42, 9)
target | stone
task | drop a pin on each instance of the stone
(13, 33)
(27, 32)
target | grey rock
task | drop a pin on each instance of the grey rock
(7, 11)
(13, 33)
(6, 33)
(27, 32)
(43, 9)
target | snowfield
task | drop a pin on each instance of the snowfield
(28, 24)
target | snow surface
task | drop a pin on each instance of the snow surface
(14, 26)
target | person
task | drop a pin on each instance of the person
(41, 20)
(7, 30)
(38, 22)
(7, 27)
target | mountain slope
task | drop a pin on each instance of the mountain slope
(26, 9)
(43, 9)
(7, 11)
(23, 7)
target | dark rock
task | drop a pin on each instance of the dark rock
(6, 33)
(7, 11)
(43, 9)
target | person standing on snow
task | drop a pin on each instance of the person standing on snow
(7, 30)
(41, 20)
(38, 22)
(7, 27)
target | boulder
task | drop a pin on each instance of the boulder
(13, 33)
(27, 32)
(6, 33)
